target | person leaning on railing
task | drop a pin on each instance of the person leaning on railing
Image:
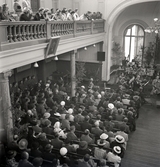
(39, 15)
(5, 15)
(26, 15)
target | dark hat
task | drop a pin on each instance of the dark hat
(37, 161)
(83, 145)
(11, 154)
(48, 147)
(42, 136)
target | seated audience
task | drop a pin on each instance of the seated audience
(114, 156)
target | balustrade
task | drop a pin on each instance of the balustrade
(12, 32)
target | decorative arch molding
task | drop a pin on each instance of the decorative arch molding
(118, 9)
(123, 27)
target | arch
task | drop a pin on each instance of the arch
(110, 22)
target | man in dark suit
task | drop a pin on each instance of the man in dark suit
(86, 125)
(57, 143)
(96, 130)
(39, 15)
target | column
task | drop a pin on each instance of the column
(6, 122)
(73, 72)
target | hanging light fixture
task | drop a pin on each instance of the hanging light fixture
(56, 58)
(85, 48)
(155, 29)
(94, 45)
(36, 65)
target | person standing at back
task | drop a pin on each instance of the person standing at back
(26, 4)
(17, 8)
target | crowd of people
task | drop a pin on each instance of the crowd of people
(89, 130)
(25, 13)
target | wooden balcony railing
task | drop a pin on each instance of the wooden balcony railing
(12, 32)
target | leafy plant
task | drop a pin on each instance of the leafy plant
(149, 54)
(118, 54)
(80, 72)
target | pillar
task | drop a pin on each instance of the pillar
(73, 72)
(6, 122)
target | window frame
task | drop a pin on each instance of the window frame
(136, 36)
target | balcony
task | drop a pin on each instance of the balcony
(22, 43)
(21, 34)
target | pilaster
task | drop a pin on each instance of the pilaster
(73, 72)
(6, 122)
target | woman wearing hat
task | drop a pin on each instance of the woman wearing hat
(17, 7)
(114, 156)
(59, 131)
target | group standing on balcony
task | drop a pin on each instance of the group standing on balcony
(25, 13)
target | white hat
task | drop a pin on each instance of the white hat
(83, 87)
(47, 85)
(29, 112)
(96, 123)
(119, 139)
(47, 115)
(117, 149)
(62, 103)
(99, 96)
(57, 114)
(110, 105)
(70, 111)
(103, 136)
(102, 92)
(63, 151)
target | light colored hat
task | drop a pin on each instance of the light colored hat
(83, 95)
(103, 136)
(46, 115)
(110, 105)
(83, 87)
(57, 114)
(63, 151)
(102, 92)
(62, 103)
(119, 139)
(22, 144)
(47, 85)
(99, 96)
(70, 111)
(96, 123)
(117, 149)
(101, 142)
(29, 112)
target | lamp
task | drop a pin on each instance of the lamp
(156, 28)
(94, 45)
(85, 48)
(36, 65)
(55, 58)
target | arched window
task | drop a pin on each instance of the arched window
(133, 41)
